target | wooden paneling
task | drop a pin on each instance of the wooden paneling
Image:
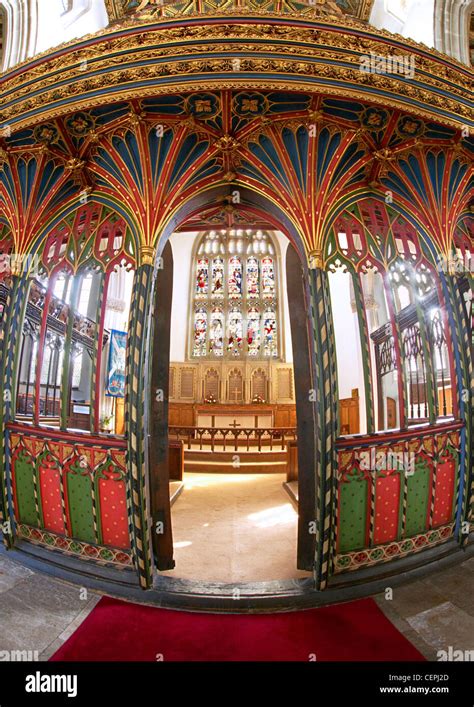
(187, 383)
(391, 414)
(284, 383)
(285, 416)
(181, 414)
(292, 471)
(259, 384)
(447, 398)
(185, 414)
(349, 414)
(176, 460)
(232, 382)
(211, 384)
(387, 521)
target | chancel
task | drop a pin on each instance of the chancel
(236, 297)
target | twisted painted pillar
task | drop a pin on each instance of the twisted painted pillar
(327, 415)
(461, 337)
(136, 400)
(9, 348)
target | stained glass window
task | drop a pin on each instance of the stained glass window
(235, 296)
(202, 277)
(216, 334)
(234, 286)
(253, 332)
(200, 331)
(268, 277)
(217, 277)
(253, 277)
(234, 344)
(269, 333)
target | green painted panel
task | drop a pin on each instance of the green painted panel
(25, 490)
(79, 491)
(418, 493)
(352, 515)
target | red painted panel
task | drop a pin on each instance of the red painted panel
(114, 520)
(50, 489)
(387, 505)
(444, 493)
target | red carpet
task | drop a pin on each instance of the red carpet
(119, 631)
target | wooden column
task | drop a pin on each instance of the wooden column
(327, 420)
(304, 369)
(365, 350)
(10, 338)
(158, 442)
(431, 387)
(68, 364)
(97, 373)
(398, 345)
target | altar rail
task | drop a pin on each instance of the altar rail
(244, 438)
(397, 493)
(69, 492)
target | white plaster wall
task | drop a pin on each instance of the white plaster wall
(182, 245)
(350, 373)
(55, 25)
(410, 18)
(283, 243)
(34, 26)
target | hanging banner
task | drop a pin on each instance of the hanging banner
(116, 367)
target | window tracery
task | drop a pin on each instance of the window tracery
(410, 376)
(86, 261)
(235, 297)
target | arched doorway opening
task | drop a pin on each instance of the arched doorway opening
(252, 439)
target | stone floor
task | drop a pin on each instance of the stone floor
(38, 613)
(435, 612)
(247, 519)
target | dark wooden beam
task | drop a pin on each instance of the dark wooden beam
(158, 449)
(305, 409)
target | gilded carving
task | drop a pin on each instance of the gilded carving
(162, 54)
(147, 255)
(155, 9)
(317, 46)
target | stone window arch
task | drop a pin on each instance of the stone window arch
(235, 296)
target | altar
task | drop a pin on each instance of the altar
(234, 416)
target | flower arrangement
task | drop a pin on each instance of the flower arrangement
(258, 399)
(105, 423)
(210, 398)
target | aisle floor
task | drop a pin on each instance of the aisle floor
(234, 528)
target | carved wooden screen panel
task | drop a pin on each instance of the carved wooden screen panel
(235, 386)
(211, 385)
(187, 383)
(259, 385)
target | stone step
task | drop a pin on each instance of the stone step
(235, 462)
